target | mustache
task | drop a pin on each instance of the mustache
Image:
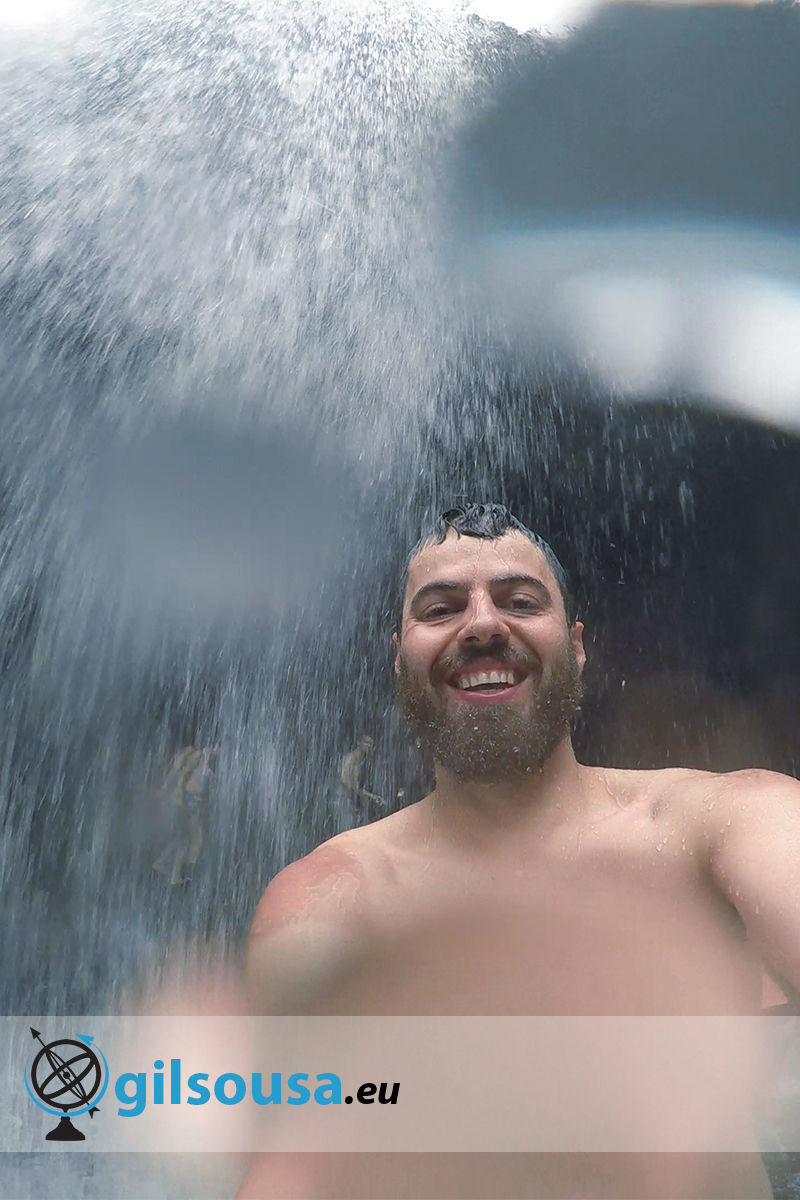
(508, 655)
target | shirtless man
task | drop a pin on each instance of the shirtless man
(488, 660)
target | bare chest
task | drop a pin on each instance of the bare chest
(614, 913)
(650, 846)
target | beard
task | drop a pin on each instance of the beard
(497, 743)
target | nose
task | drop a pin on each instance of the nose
(484, 622)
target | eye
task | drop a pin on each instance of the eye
(435, 611)
(523, 603)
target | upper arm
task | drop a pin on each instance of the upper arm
(306, 927)
(755, 862)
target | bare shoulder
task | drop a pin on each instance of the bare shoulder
(336, 881)
(718, 805)
(314, 918)
(753, 803)
(711, 800)
(326, 884)
(673, 784)
(767, 786)
(306, 926)
(733, 789)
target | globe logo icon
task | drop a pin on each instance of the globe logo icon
(69, 1077)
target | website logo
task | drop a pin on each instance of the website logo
(66, 1077)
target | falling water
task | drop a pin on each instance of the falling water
(226, 331)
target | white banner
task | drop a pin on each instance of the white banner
(531, 1084)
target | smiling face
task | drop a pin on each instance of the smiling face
(488, 673)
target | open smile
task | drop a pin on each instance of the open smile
(487, 684)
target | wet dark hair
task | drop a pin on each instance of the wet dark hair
(489, 521)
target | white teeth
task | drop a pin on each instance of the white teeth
(471, 681)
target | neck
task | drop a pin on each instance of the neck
(482, 812)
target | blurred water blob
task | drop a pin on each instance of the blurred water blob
(710, 309)
(200, 520)
(633, 205)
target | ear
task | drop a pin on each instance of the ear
(396, 642)
(576, 637)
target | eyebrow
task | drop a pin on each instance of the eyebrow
(447, 585)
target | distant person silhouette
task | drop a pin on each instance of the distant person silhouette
(187, 788)
(352, 773)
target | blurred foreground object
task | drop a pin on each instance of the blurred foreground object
(575, 947)
(633, 206)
